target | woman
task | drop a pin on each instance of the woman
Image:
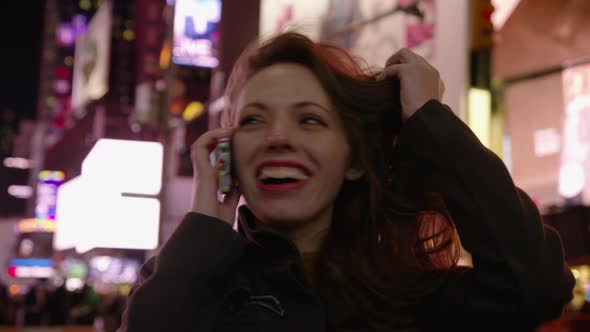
(353, 182)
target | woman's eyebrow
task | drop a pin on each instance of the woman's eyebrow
(303, 104)
(298, 105)
(255, 104)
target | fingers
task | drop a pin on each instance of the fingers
(401, 56)
(228, 206)
(395, 63)
(391, 71)
(231, 199)
(206, 143)
(441, 89)
(404, 55)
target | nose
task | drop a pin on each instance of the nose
(278, 138)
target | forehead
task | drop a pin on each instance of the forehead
(283, 83)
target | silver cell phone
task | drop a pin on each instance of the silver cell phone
(223, 154)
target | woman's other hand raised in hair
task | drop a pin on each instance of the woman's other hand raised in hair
(419, 81)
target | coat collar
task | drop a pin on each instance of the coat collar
(256, 233)
(284, 253)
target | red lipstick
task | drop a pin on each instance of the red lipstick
(281, 187)
(277, 188)
(282, 163)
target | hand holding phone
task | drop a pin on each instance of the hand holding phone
(224, 172)
(211, 156)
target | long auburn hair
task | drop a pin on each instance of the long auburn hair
(392, 241)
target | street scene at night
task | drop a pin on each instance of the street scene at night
(295, 165)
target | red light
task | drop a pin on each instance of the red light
(487, 15)
(12, 271)
(62, 73)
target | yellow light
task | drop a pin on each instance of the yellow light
(33, 225)
(479, 114)
(85, 4)
(165, 55)
(50, 101)
(582, 275)
(14, 289)
(44, 175)
(51, 175)
(69, 60)
(192, 111)
(576, 273)
(128, 34)
(59, 176)
(124, 290)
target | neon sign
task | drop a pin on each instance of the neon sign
(49, 182)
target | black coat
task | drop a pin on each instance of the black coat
(208, 277)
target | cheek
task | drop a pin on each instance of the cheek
(340, 152)
(334, 155)
(241, 149)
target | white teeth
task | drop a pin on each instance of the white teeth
(282, 173)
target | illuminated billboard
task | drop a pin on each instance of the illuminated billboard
(375, 29)
(70, 214)
(574, 170)
(196, 33)
(550, 136)
(31, 268)
(114, 202)
(92, 60)
(47, 186)
(370, 29)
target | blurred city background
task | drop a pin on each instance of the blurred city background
(100, 101)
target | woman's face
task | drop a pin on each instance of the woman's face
(290, 149)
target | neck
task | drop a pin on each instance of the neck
(308, 240)
(308, 235)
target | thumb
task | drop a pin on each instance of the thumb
(441, 89)
(391, 72)
(229, 205)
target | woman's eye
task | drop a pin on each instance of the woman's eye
(248, 120)
(312, 120)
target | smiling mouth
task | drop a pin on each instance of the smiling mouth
(280, 174)
(279, 179)
(275, 181)
(276, 186)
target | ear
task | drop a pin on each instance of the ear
(353, 174)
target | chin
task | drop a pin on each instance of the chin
(274, 214)
(284, 218)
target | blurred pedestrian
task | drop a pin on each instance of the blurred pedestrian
(58, 306)
(36, 303)
(3, 303)
(83, 306)
(361, 188)
(113, 304)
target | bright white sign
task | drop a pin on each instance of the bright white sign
(478, 119)
(125, 166)
(113, 204)
(547, 142)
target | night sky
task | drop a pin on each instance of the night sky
(20, 40)
(20, 43)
